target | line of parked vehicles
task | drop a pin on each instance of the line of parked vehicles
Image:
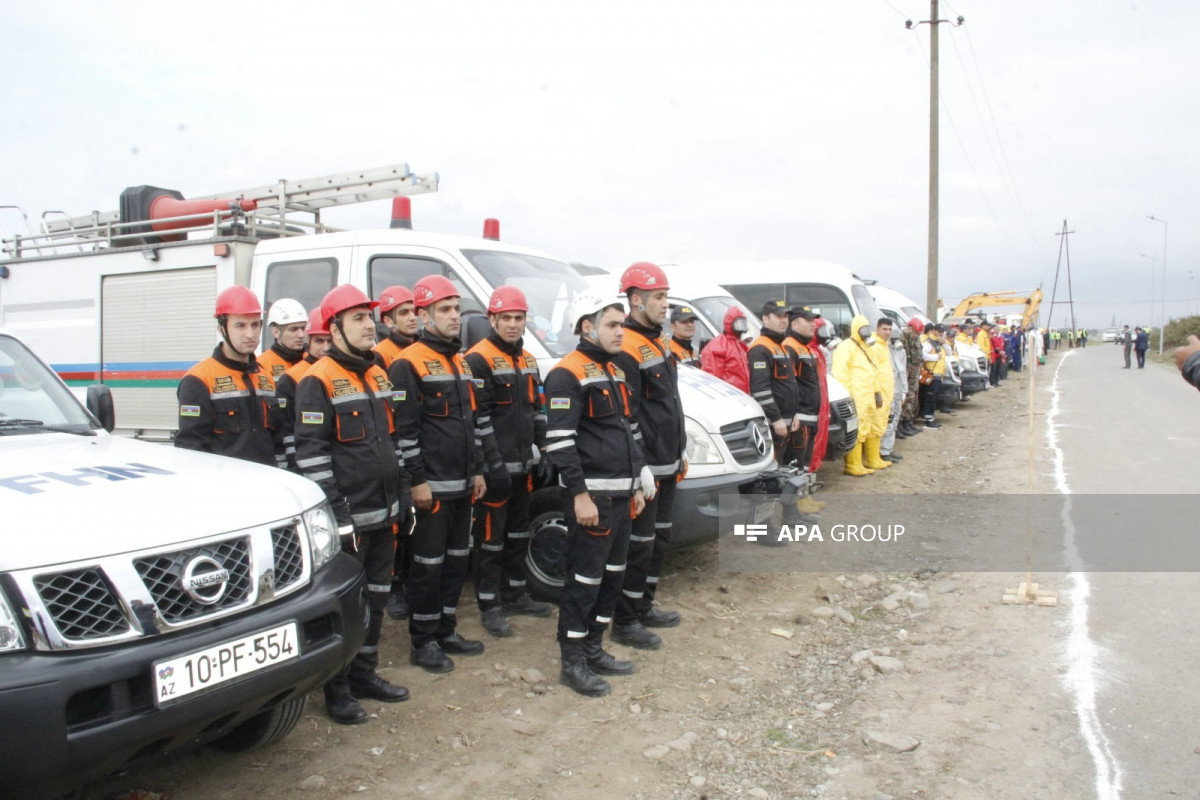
(99, 619)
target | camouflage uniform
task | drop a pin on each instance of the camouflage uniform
(912, 348)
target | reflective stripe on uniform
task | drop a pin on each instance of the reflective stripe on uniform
(517, 534)
(632, 595)
(614, 567)
(576, 634)
(492, 548)
(458, 553)
(587, 580)
(611, 484)
(427, 617)
(448, 486)
(663, 470)
(368, 518)
(384, 588)
(429, 561)
(633, 538)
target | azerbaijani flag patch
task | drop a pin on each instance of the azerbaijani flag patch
(189, 411)
(562, 403)
(312, 417)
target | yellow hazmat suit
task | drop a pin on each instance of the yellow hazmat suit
(855, 368)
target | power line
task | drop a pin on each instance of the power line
(893, 8)
(970, 165)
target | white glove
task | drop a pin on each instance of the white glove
(648, 487)
(537, 454)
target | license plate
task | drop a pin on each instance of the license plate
(222, 663)
(763, 511)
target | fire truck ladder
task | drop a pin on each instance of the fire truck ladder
(274, 201)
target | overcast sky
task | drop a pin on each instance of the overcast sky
(666, 131)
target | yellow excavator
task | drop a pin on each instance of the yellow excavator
(1031, 301)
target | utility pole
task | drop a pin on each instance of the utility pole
(1162, 329)
(931, 277)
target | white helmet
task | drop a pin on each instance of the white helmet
(588, 304)
(286, 312)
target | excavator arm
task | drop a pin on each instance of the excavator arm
(1031, 301)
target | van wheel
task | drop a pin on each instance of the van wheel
(268, 727)
(545, 564)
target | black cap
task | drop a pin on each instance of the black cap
(801, 312)
(683, 314)
(775, 307)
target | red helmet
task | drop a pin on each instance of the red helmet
(237, 300)
(431, 289)
(507, 298)
(643, 275)
(317, 326)
(916, 324)
(393, 296)
(341, 298)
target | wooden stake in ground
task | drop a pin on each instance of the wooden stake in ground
(1028, 592)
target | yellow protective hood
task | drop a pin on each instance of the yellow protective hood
(858, 322)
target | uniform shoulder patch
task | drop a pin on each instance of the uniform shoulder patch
(560, 403)
(189, 411)
(312, 418)
(760, 365)
(283, 402)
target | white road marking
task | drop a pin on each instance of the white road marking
(1082, 652)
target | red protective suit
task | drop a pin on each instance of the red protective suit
(725, 356)
(822, 437)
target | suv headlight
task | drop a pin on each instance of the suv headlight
(11, 637)
(701, 449)
(323, 539)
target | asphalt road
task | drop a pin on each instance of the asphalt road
(1135, 432)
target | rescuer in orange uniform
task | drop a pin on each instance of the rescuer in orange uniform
(287, 321)
(227, 403)
(512, 421)
(316, 345)
(346, 441)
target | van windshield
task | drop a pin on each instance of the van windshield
(31, 396)
(549, 286)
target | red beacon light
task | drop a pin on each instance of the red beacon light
(401, 213)
(491, 229)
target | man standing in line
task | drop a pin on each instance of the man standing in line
(773, 381)
(397, 312)
(934, 360)
(911, 336)
(227, 403)
(802, 327)
(590, 441)
(894, 350)
(346, 442)
(316, 346)
(1127, 344)
(725, 356)
(656, 414)
(513, 421)
(287, 320)
(443, 454)
(683, 331)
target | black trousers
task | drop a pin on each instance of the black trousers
(376, 552)
(441, 553)
(595, 568)
(1141, 356)
(500, 535)
(927, 396)
(649, 541)
(403, 564)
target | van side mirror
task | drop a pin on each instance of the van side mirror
(100, 403)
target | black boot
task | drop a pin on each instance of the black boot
(397, 605)
(577, 676)
(371, 686)
(655, 617)
(341, 705)
(635, 635)
(601, 662)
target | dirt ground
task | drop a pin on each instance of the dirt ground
(930, 687)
